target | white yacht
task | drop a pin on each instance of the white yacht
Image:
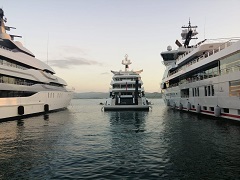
(127, 92)
(27, 85)
(203, 78)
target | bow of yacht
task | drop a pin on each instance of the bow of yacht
(27, 85)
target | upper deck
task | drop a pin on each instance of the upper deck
(201, 56)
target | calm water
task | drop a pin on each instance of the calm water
(84, 143)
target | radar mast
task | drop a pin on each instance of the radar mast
(126, 62)
(188, 33)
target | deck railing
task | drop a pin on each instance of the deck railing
(221, 47)
(209, 53)
(223, 71)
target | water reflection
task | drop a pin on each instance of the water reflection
(26, 145)
(127, 137)
(46, 117)
(20, 122)
(200, 144)
(130, 121)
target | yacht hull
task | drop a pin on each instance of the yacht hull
(126, 108)
(208, 105)
(46, 101)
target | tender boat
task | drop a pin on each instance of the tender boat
(127, 92)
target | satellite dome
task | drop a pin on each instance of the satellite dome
(169, 48)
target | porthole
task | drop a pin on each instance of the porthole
(225, 110)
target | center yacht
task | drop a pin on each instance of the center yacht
(27, 85)
(127, 91)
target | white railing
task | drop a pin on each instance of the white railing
(223, 71)
(209, 53)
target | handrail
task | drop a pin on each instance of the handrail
(223, 71)
(197, 45)
(209, 53)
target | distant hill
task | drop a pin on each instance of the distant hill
(103, 95)
(90, 95)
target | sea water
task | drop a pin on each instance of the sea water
(83, 142)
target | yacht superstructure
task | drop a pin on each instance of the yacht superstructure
(127, 91)
(203, 78)
(27, 85)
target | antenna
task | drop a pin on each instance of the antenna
(204, 27)
(188, 34)
(47, 46)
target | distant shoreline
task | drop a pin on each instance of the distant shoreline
(102, 95)
(106, 97)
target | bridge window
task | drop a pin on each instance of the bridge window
(225, 110)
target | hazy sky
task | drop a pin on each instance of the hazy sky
(85, 39)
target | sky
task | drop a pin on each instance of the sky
(83, 40)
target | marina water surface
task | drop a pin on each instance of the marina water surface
(82, 142)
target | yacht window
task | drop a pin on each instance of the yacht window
(208, 90)
(205, 108)
(211, 108)
(195, 91)
(234, 88)
(4, 93)
(4, 62)
(11, 80)
(184, 93)
(225, 110)
(205, 88)
(230, 61)
(5, 79)
(212, 90)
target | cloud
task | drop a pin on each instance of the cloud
(72, 61)
(105, 73)
(73, 49)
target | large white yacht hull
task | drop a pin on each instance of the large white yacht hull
(54, 100)
(208, 104)
(142, 105)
